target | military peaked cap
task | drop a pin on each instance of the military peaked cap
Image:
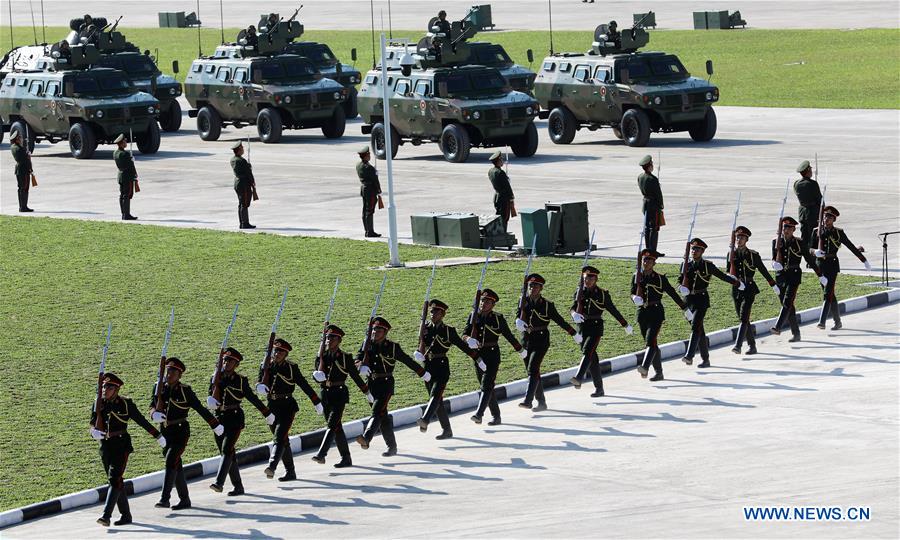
(803, 166)
(231, 352)
(646, 160)
(14, 134)
(590, 271)
(110, 379)
(334, 330)
(237, 144)
(438, 304)
(496, 155)
(175, 363)
(282, 344)
(363, 150)
(698, 242)
(742, 230)
(491, 295)
(831, 210)
(536, 278)
(381, 322)
(120, 138)
(651, 254)
(788, 220)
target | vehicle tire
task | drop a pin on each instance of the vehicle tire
(82, 141)
(25, 130)
(704, 130)
(455, 143)
(527, 143)
(334, 129)
(148, 142)
(209, 124)
(269, 125)
(561, 125)
(377, 138)
(618, 133)
(351, 107)
(635, 127)
(170, 121)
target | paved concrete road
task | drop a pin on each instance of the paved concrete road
(308, 184)
(507, 14)
(808, 424)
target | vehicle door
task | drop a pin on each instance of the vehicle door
(244, 105)
(604, 109)
(34, 110)
(400, 104)
(224, 95)
(580, 92)
(56, 118)
(422, 109)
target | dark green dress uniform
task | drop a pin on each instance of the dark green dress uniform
(503, 193)
(651, 316)
(810, 198)
(234, 389)
(595, 302)
(537, 315)
(177, 401)
(699, 273)
(127, 175)
(243, 187)
(788, 279)
(283, 378)
(830, 266)
(115, 448)
(337, 366)
(369, 190)
(653, 207)
(438, 339)
(23, 173)
(747, 263)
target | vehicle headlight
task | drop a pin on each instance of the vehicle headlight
(337, 95)
(151, 109)
(709, 96)
(287, 99)
(657, 100)
(172, 91)
(529, 110)
(99, 114)
(476, 115)
(353, 79)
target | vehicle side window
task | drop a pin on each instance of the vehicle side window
(210, 68)
(197, 68)
(402, 87)
(602, 74)
(549, 66)
(23, 82)
(423, 88)
(371, 79)
(10, 81)
(35, 88)
(241, 75)
(582, 73)
(564, 67)
(52, 89)
(224, 74)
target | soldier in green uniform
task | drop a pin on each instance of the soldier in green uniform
(653, 202)
(377, 363)
(746, 263)
(810, 198)
(504, 199)
(283, 376)
(825, 244)
(111, 429)
(587, 312)
(436, 342)
(127, 176)
(171, 412)
(244, 184)
(695, 287)
(443, 24)
(534, 322)
(647, 288)
(369, 190)
(482, 334)
(24, 170)
(787, 252)
(233, 387)
(332, 369)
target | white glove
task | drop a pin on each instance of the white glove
(420, 358)
(520, 325)
(161, 441)
(270, 419)
(320, 409)
(364, 371)
(97, 434)
(212, 402)
(158, 416)
(523, 353)
(578, 318)
(426, 377)
(629, 329)
(683, 291)
(777, 290)
(868, 266)
(370, 397)
(689, 315)
(472, 343)
(219, 430)
(777, 266)
(481, 365)
(741, 285)
(823, 280)
(319, 376)
(819, 253)
(578, 338)
(262, 389)
(638, 301)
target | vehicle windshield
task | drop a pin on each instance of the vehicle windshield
(286, 71)
(479, 82)
(657, 68)
(108, 84)
(319, 54)
(493, 55)
(138, 64)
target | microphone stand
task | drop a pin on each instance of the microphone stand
(884, 255)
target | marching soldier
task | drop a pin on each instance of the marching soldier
(534, 323)
(653, 202)
(483, 335)
(647, 290)
(115, 444)
(825, 245)
(244, 184)
(234, 388)
(787, 252)
(810, 198)
(747, 262)
(177, 400)
(284, 376)
(698, 274)
(432, 353)
(332, 370)
(369, 190)
(587, 313)
(127, 176)
(378, 365)
(504, 199)
(24, 170)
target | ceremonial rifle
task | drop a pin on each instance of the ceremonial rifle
(217, 376)
(325, 325)
(424, 318)
(822, 215)
(779, 234)
(639, 291)
(99, 422)
(253, 183)
(161, 374)
(512, 203)
(367, 341)
(524, 295)
(579, 294)
(476, 305)
(687, 248)
(267, 361)
(137, 187)
(732, 269)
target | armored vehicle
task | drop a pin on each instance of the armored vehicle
(634, 93)
(329, 66)
(64, 100)
(252, 82)
(436, 97)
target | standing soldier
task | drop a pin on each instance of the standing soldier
(369, 190)
(378, 364)
(653, 202)
(115, 445)
(244, 184)
(127, 176)
(234, 388)
(24, 170)
(534, 323)
(747, 262)
(810, 198)
(432, 352)
(504, 199)
(332, 370)
(488, 325)
(443, 24)
(695, 287)
(587, 312)
(177, 400)
(825, 245)
(284, 376)
(647, 296)
(787, 252)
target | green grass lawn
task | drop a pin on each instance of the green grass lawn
(62, 281)
(766, 68)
